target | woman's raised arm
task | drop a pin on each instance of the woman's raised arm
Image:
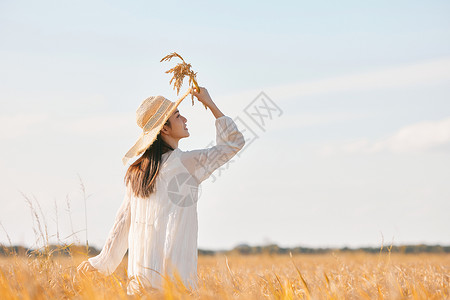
(205, 98)
(202, 163)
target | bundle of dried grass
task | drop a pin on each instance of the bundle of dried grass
(179, 72)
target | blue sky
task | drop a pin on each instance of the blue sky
(361, 151)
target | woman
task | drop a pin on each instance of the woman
(157, 221)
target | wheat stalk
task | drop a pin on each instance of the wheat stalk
(179, 72)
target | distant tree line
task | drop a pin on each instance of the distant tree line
(244, 249)
(275, 249)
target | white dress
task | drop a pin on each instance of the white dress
(160, 232)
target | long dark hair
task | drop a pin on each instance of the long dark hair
(142, 173)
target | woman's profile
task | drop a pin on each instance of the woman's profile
(157, 221)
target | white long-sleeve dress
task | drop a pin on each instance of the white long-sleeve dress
(160, 232)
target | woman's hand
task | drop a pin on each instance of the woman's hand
(85, 267)
(203, 96)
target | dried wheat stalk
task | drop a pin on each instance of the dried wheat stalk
(179, 72)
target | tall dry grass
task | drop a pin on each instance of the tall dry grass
(46, 274)
(324, 276)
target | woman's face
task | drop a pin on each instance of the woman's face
(177, 128)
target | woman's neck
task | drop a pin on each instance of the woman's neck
(171, 141)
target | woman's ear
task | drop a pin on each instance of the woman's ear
(165, 129)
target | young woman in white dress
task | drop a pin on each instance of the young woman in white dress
(157, 221)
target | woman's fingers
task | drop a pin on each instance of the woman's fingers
(82, 266)
(85, 267)
(80, 269)
(194, 91)
(202, 96)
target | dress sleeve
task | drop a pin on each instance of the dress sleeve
(116, 244)
(201, 163)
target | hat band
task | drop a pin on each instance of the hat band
(157, 116)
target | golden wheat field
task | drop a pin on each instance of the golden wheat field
(335, 275)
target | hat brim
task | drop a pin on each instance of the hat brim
(147, 138)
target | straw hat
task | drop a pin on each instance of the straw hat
(151, 116)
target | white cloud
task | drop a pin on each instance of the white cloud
(434, 71)
(420, 73)
(302, 120)
(416, 138)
